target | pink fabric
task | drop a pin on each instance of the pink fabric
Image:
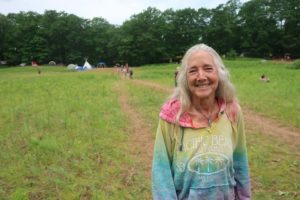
(170, 109)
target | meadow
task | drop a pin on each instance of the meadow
(64, 134)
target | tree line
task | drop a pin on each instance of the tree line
(257, 28)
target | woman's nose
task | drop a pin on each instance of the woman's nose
(200, 74)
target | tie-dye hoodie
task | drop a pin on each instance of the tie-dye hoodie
(200, 162)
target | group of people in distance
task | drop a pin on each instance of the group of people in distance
(125, 70)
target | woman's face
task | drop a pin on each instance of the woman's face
(202, 76)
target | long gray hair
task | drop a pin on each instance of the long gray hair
(225, 90)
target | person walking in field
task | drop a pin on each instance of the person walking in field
(128, 72)
(200, 147)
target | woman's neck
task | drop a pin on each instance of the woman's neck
(204, 105)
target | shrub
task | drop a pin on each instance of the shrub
(231, 55)
(296, 64)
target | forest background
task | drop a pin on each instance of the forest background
(257, 28)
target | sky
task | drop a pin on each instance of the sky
(114, 11)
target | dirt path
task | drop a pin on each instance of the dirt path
(285, 134)
(141, 135)
(255, 122)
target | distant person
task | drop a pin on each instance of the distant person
(130, 73)
(126, 68)
(39, 71)
(34, 63)
(200, 148)
(176, 75)
(264, 78)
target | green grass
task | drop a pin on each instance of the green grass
(63, 135)
(274, 168)
(163, 74)
(147, 102)
(278, 99)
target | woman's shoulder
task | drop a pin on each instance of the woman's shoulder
(169, 110)
(233, 110)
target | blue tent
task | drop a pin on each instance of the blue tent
(101, 64)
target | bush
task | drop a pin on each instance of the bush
(296, 64)
(231, 55)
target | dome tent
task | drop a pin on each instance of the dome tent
(71, 67)
(52, 63)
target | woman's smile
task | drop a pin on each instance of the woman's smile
(202, 76)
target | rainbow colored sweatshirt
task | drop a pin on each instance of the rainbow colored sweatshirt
(200, 162)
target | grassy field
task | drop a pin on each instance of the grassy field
(277, 99)
(63, 135)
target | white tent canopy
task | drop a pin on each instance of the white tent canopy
(87, 65)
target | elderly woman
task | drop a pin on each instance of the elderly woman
(200, 149)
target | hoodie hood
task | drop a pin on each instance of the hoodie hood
(170, 109)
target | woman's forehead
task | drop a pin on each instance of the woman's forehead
(200, 57)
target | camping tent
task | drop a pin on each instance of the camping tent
(52, 63)
(101, 64)
(71, 66)
(87, 65)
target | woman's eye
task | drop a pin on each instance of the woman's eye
(209, 69)
(192, 71)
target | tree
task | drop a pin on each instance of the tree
(222, 31)
(4, 27)
(183, 29)
(142, 38)
(258, 27)
(97, 37)
(64, 34)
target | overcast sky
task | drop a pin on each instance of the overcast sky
(114, 11)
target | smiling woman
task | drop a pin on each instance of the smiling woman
(202, 76)
(200, 149)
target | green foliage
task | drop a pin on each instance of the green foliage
(231, 55)
(19, 194)
(152, 36)
(296, 64)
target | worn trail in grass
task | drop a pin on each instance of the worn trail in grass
(287, 135)
(140, 137)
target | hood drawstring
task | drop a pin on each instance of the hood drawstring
(181, 142)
